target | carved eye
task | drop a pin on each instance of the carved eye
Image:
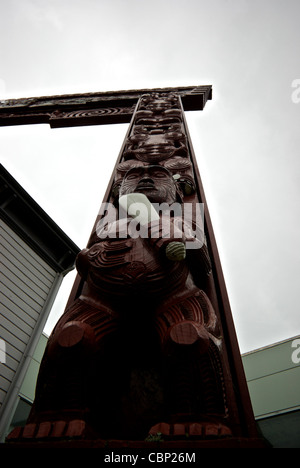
(138, 137)
(160, 175)
(132, 176)
(174, 135)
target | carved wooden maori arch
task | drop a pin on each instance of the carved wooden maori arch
(147, 344)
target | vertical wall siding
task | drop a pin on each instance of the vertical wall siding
(25, 282)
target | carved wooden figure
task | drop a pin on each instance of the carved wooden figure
(144, 349)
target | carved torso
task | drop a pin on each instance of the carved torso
(132, 267)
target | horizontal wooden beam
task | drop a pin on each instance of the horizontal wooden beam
(100, 108)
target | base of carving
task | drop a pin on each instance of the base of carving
(52, 430)
(77, 428)
(147, 447)
(196, 430)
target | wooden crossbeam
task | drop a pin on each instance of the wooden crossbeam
(99, 108)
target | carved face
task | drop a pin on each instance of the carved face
(159, 102)
(155, 182)
(156, 145)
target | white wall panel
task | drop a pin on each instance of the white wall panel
(25, 283)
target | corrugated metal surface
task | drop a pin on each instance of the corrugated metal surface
(25, 283)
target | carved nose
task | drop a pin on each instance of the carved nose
(146, 181)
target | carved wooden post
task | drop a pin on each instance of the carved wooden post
(147, 344)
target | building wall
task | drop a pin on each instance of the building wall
(25, 284)
(27, 390)
(273, 377)
(28, 287)
(35, 255)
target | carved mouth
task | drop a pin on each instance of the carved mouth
(145, 187)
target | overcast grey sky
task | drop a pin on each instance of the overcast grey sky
(246, 140)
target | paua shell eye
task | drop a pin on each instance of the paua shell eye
(176, 251)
